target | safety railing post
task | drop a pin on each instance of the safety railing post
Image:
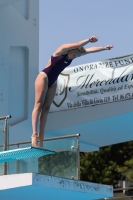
(5, 146)
(5, 131)
(78, 157)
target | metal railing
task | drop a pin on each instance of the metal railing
(67, 151)
(46, 139)
(7, 146)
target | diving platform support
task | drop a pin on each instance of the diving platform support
(36, 186)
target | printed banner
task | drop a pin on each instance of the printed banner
(94, 83)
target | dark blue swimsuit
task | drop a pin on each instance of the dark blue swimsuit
(58, 64)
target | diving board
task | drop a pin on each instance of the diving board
(19, 154)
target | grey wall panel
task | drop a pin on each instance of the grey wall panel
(18, 84)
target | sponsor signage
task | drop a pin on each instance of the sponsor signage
(94, 83)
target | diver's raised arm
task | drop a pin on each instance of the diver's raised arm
(66, 47)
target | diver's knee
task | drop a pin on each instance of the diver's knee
(46, 108)
(38, 105)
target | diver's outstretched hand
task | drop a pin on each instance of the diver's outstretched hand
(93, 39)
(108, 47)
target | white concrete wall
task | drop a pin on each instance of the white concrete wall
(7, 2)
(19, 49)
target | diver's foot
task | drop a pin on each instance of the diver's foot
(34, 140)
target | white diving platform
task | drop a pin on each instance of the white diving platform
(36, 186)
(19, 154)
